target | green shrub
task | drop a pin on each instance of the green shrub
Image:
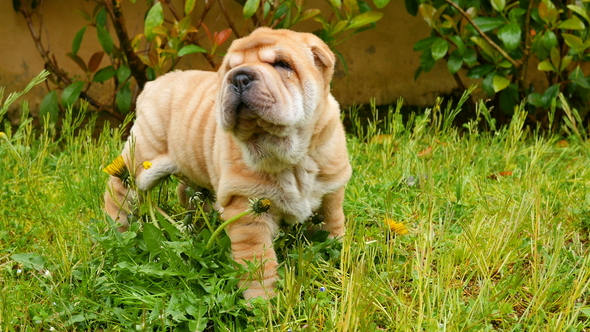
(170, 34)
(498, 41)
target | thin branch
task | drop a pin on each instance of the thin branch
(515, 63)
(522, 74)
(172, 9)
(229, 20)
(138, 68)
(208, 5)
(52, 66)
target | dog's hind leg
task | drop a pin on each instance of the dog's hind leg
(117, 201)
(118, 197)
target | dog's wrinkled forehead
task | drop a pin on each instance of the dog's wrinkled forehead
(268, 48)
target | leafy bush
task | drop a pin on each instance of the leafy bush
(499, 40)
(170, 34)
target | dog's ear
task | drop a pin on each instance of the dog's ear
(324, 59)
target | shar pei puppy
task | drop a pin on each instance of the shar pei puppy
(264, 125)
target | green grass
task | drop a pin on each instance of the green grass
(485, 250)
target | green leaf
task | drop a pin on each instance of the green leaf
(458, 43)
(573, 23)
(425, 44)
(487, 84)
(189, 5)
(339, 26)
(565, 62)
(550, 94)
(480, 71)
(455, 62)
(549, 40)
(153, 238)
(428, 13)
(104, 74)
(283, 9)
(101, 18)
(545, 66)
(583, 82)
(535, 99)
(572, 41)
(151, 73)
(417, 73)
(336, 3)
(412, 7)
(124, 98)
(50, 106)
(78, 61)
(510, 36)
(470, 57)
(16, 4)
(580, 11)
(555, 57)
(250, 8)
(380, 3)
(499, 5)
(30, 260)
(172, 231)
(364, 19)
(426, 61)
(105, 39)
(515, 14)
(485, 46)
(504, 64)
(71, 93)
(488, 23)
(500, 83)
(154, 18)
(508, 99)
(439, 49)
(342, 61)
(123, 73)
(189, 49)
(309, 13)
(577, 77)
(547, 11)
(78, 40)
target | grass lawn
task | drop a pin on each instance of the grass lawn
(448, 229)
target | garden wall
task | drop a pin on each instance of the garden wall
(381, 62)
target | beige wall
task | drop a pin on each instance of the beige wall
(381, 61)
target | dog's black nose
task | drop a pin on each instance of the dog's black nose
(241, 81)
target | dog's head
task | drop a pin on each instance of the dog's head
(273, 82)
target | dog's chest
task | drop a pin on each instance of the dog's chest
(298, 192)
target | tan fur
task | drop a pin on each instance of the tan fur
(279, 137)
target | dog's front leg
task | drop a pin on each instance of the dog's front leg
(333, 213)
(251, 240)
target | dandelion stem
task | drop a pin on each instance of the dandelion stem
(223, 226)
(151, 208)
(167, 217)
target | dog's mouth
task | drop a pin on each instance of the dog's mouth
(249, 125)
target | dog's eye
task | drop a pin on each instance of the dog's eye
(282, 64)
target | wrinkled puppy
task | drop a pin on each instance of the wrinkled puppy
(264, 125)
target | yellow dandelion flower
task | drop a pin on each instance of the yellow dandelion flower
(261, 205)
(3, 135)
(118, 168)
(146, 164)
(396, 227)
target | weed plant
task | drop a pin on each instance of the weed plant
(448, 229)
